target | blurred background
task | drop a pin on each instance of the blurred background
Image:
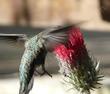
(30, 17)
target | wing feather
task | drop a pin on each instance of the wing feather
(56, 36)
(13, 39)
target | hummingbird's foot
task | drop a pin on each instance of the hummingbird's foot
(45, 72)
(37, 72)
(41, 74)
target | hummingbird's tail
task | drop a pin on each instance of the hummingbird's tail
(26, 89)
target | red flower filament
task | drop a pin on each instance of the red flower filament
(75, 48)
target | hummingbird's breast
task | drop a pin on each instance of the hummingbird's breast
(40, 58)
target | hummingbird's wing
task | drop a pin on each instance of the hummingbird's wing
(13, 38)
(56, 36)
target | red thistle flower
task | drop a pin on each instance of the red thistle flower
(76, 64)
(76, 43)
(74, 49)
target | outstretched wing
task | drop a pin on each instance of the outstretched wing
(55, 36)
(13, 38)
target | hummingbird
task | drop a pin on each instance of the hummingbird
(36, 49)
